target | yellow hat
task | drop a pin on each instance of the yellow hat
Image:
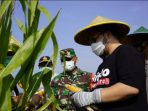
(99, 23)
(14, 45)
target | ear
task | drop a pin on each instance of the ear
(108, 34)
(75, 59)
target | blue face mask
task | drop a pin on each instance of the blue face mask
(7, 60)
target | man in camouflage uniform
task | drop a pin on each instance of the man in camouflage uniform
(71, 75)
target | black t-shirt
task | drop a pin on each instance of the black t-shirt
(124, 65)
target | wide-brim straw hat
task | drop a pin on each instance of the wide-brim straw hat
(141, 34)
(84, 35)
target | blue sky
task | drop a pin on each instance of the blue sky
(76, 15)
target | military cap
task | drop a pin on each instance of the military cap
(68, 53)
(44, 60)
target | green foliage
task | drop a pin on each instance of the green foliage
(34, 42)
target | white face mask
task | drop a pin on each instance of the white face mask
(69, 65)
(98, 48)
(146, 67)
(42, 68)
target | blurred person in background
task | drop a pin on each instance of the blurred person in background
(139, 40)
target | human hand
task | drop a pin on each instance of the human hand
(82, 99)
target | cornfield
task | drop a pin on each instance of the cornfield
(34, 42)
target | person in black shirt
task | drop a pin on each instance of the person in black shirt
(119, 83)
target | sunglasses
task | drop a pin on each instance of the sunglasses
(95, 37)
(48, 64)
(66, 59)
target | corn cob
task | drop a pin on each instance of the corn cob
(76, 89)
(72, 88)
(40, 92)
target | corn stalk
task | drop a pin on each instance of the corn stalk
(34, 42)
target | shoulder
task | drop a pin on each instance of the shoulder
(129, 55)
(55, 80)
(84, 72)
(126, 50)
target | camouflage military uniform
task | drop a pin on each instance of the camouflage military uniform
(78, 78)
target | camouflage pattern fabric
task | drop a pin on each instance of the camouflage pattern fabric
(79, 78)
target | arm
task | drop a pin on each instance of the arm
(130, 80)
(117, 92)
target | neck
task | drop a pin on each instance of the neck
(111, 47)
(72, 71)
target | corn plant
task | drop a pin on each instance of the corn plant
(34, 42)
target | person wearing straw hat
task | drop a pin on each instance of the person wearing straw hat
(119, 83)
(139, 40)
(13, 46)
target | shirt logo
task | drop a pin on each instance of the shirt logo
(101, 78)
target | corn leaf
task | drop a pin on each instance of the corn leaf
(25, 52)
(45, 36)
(6, 9)
(4, 40)
(46, 83)
(4, 6)
(55, 53)
(42, 43)
(46, 104)
(21, 26)
(35, 22)
(5, 102)
(44, 11)
(31, 11)
(36, 81)
(23, 5)
(37, 50)
(34, 43)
